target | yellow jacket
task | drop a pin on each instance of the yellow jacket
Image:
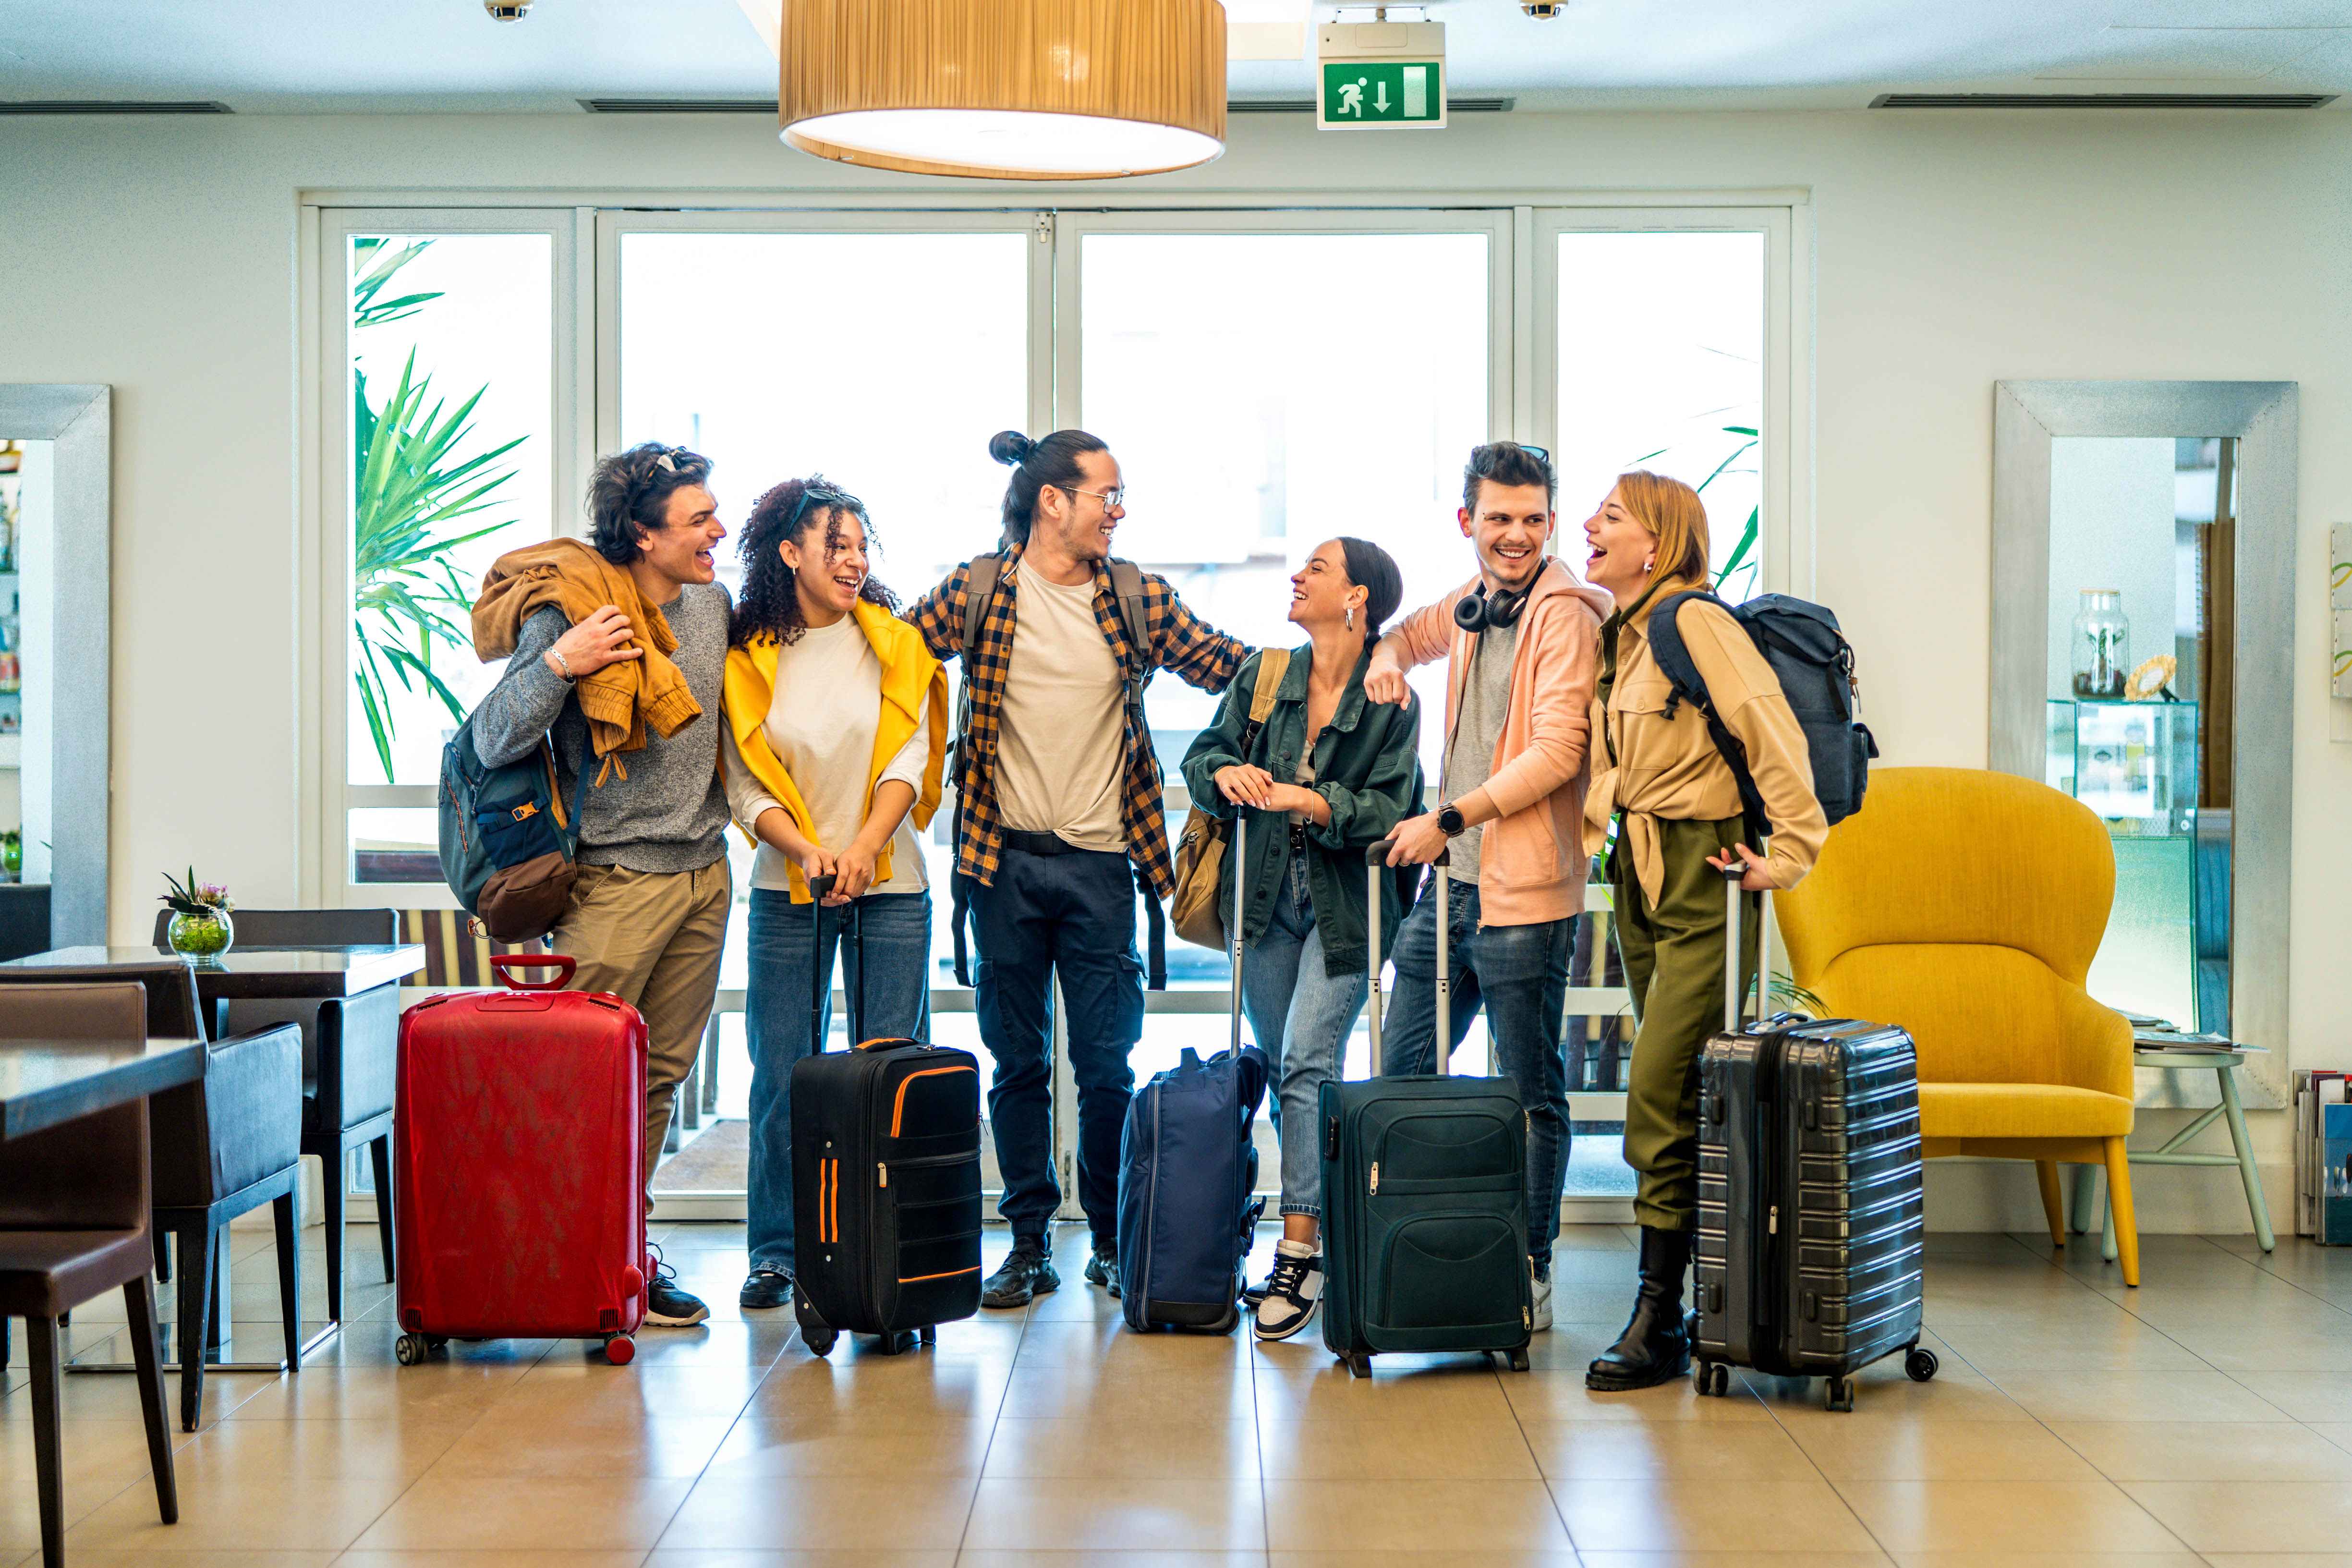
(914, 690)
(621, 699)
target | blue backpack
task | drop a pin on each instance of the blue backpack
(1815, 663)
(507, 842)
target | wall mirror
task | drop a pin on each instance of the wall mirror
(2143, 631)
(56, 599)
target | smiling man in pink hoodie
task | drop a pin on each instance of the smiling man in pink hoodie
(1521, 641)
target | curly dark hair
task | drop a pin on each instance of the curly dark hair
(628, 495)
(770, 604)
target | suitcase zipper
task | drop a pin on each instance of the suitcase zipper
(884, 1166)
(1375, 1185)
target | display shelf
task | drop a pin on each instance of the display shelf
(2134, 763)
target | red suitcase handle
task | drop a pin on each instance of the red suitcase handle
(505, 964)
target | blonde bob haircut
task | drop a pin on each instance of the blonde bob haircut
(1675, 517)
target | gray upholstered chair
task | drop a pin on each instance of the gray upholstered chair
(349, 1050)
(74, 1224)
(220, 1147)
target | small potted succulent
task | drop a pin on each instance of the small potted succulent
(200, 926)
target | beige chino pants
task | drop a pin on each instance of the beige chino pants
(652, 938)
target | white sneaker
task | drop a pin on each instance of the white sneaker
(1291, 1293)
(1542, 1320)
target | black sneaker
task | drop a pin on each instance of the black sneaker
(1026, 1274)
(1102, 1269)
(764, 1288)
(666, 1306)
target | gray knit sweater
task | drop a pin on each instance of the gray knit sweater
(670, 813)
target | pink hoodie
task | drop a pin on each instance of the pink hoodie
(1531, 861)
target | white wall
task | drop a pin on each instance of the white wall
(1952, 250)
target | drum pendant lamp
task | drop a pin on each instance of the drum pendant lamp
(1006, 89)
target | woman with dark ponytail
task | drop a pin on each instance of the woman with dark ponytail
(1341, 774)
(836, 722)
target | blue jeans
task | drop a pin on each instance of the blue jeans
(1519, 974)
(891, 998)
(1300, 1016)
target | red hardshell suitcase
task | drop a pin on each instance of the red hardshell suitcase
(520, 1123)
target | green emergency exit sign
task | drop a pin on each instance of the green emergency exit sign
(1382, 93)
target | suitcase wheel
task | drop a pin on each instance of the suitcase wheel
(1920, 1366)
(1519, 1362)
(928, 1333)
(620, 1350)
(900, 1343)
(1358, 1365)
(1713, 1377)
(1838, 1395)
(410, 1349)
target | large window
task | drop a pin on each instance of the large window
(1268, 380)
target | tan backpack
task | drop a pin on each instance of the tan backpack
(1201, 852)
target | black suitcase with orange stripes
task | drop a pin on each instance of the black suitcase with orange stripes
(885, 1185)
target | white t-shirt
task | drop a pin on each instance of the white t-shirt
(1061, 744)
(821, 724)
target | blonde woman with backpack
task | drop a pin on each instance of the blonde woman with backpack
(1325, 776)
(1680, 832)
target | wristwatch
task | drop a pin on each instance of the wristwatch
(1449, 820)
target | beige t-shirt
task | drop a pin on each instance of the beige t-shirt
(1061, 731)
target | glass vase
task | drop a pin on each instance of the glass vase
(207, 935)
(2102, 646)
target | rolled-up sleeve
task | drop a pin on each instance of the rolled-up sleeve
(1369, 812)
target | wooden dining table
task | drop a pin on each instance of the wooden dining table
(242, 973)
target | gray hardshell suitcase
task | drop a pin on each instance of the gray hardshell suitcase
(1810, 1211)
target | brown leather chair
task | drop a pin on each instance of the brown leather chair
(75, 1206)
(221, 1146)
(350, 1052)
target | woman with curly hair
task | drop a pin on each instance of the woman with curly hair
(835, 724)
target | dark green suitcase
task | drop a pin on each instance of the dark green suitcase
(1425, 1199)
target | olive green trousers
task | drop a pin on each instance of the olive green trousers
(1674, 957)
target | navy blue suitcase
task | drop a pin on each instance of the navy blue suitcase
(1187, 1174)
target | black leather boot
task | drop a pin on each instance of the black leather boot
(1655, 1346)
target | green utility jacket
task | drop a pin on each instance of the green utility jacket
(1365, 765)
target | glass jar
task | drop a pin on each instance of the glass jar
(2102, 646)
(207, 935)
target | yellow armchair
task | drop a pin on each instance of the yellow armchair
(1966, 907)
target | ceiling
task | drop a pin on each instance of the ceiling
(309, 56)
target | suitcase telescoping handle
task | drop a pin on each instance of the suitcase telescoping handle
(818, 888)
(504, 966)
(1234, 926)
(1375, 866)
(1734, 994)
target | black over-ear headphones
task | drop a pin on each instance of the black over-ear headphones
(1479, 611)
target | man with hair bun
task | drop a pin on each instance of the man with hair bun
(618, 648)
(1059, 820)
(1521, 641)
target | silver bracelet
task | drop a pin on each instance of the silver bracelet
(561, 663)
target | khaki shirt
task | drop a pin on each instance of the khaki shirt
(1654, 768)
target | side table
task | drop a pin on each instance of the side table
(2223, 1065)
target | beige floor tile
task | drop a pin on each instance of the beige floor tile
(1865, 1446)
(1112, 1515)
(98, 1455)
(1129, 1391)
(520, 1445)
(230, 1559)
(441, 1513)
(1957, 1393)
(277, 1513)
(1667, 1450)
(869, 1512)
(2250, 1516)
(399, 1450)
(116, 1399)
(768, 1445)
(2124, 1344)
(1080, 1447)
(1707, 1516)
(2047, 1560)
(2004, 1516)
(1399, 1392)
(751, 1344)
(1334, 1559)
(896, 1388)
(436, 1391)
(1437, 1450)
(2314, 1393)
(1111, 1560)
(1562, 1396)
(558, 1394)
(1572, 1346)
(2279, 1558)
(521, 1557)
(20, 1506)
(1413, 1516)
(2055, 1395)
(2207, 1451)
(824, 1557)
(2339, 1434)
(1735, 1559)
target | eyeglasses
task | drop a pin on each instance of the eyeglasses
(1112, 498)
(1543, 452)
(821, 495)
(673, 456)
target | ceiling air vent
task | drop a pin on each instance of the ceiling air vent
(1307, 105)
(114, 106)
(2102, 99)
(678, 105)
